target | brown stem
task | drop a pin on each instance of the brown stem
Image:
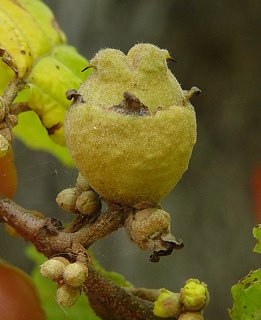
(48, 235)
(144, 293)
(107, 299)
(11, 92)
(112, 302)
(19, 107)
(7, 119)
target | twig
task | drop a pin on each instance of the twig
(112, 302)
(19, 107)
(144, 293)
(8, 114)
(48, 235)
(11, 92)
(109, 300)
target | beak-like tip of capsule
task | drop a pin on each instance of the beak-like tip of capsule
(88, 67)
(171, 59)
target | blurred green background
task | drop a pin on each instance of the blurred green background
(217, 45)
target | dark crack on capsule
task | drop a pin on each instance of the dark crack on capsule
(131, 105)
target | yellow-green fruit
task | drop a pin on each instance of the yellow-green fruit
(132, 131)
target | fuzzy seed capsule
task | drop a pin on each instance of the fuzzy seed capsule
(75, 274)
(134, 123)
(66, 296)
(53, 269)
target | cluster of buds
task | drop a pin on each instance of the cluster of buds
(80, 199)
(186, 305)
(68, 276)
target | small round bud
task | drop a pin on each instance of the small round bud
(66, 296)
(4, 146)
(88, 202)
(62, 260)
(66, 199)
(191, 316)
(82, 183)
(53, 269)
(146, 225)
(167, 304)
(194, 295)
(75, 274)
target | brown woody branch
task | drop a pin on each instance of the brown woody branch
(109, 300)
(11, 92)
(112, 302)
(49, 236)
(9, 112)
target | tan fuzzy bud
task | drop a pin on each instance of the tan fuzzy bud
(167, 304)
(75, 274)
(66, 296)
(194, 295)
(88, 202)
(82, 183)
(62, 260)
(52, 269)
(148, 224)
(66, 199)
(191, 316)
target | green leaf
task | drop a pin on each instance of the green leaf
(6, 75)
(29, 125)
(247, 297)
(118, 278)
(257, 236)
(28, 31)
(48, 82)
(47, 291)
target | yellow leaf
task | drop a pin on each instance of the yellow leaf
(28, 31)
